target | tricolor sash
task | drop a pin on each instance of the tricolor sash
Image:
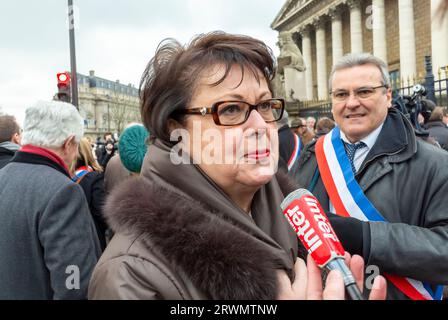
(81, 172)
(296, 153)
(349, 200)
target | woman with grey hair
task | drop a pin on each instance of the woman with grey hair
(46, 231)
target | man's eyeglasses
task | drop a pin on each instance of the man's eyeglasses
(360, 93)
(233, 113)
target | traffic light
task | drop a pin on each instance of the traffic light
(64, 90)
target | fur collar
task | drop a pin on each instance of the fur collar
(221, 259)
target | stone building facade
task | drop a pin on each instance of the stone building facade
(401, 32)
(105, 105)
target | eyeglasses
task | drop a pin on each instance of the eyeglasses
(360, 93)
(233, 113)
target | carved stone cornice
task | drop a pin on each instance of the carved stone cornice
(334, 12)
(305, 30)
(304, 7)
(319, 22)
(353, 4)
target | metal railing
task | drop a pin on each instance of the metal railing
(316, 109)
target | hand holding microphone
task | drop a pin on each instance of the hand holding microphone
(309, 221)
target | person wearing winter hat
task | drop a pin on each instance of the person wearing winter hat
(132, 147)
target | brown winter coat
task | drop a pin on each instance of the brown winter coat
(179, 236)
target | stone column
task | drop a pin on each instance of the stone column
(379, 30)
(355, 26)
(321, 59)
(439, 34)
(307, 57)
(336, 34)
(408, 64)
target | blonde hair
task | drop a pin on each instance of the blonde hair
(85, 155)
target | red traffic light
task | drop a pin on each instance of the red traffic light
(63, 78)
(64, 93)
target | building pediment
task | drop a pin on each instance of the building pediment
(290, 8)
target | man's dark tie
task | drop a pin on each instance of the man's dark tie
(351, 149)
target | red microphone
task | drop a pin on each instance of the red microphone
(311, 225)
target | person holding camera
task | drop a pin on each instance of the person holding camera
(387, 188)
(105, 152)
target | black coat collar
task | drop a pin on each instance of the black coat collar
(4, 151)
(394, 137)
(25, 157)
(436, 124)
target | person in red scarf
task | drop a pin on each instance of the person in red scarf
(48, 242)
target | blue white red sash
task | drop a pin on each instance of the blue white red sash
(82, 171)
(349, 200)
(296, 153)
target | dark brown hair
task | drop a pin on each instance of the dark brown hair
(8, 127)
(169, 80)
(107, 134)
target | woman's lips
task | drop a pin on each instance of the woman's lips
(259, 154)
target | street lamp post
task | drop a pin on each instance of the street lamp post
(71, 26)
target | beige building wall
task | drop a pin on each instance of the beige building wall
(422, 10)
(367, 34)
(346, 30)
(106, 105)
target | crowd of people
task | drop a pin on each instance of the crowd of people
(121, 218)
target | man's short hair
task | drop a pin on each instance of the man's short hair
(360, 59)
(297, 123)
(49, 124)
(8, 127)
(437, 114)
(325, 125)
(311, 118)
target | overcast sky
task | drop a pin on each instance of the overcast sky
(115, 38)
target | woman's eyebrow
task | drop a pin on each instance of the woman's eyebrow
(240, 97)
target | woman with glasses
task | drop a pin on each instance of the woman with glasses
(204, 220)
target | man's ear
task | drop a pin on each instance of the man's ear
(68, 142)
(389, 97)
(16, 138)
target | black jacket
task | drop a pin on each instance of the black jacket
(5, 156)
(439, 131)
(405, 179)
(93, 185)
